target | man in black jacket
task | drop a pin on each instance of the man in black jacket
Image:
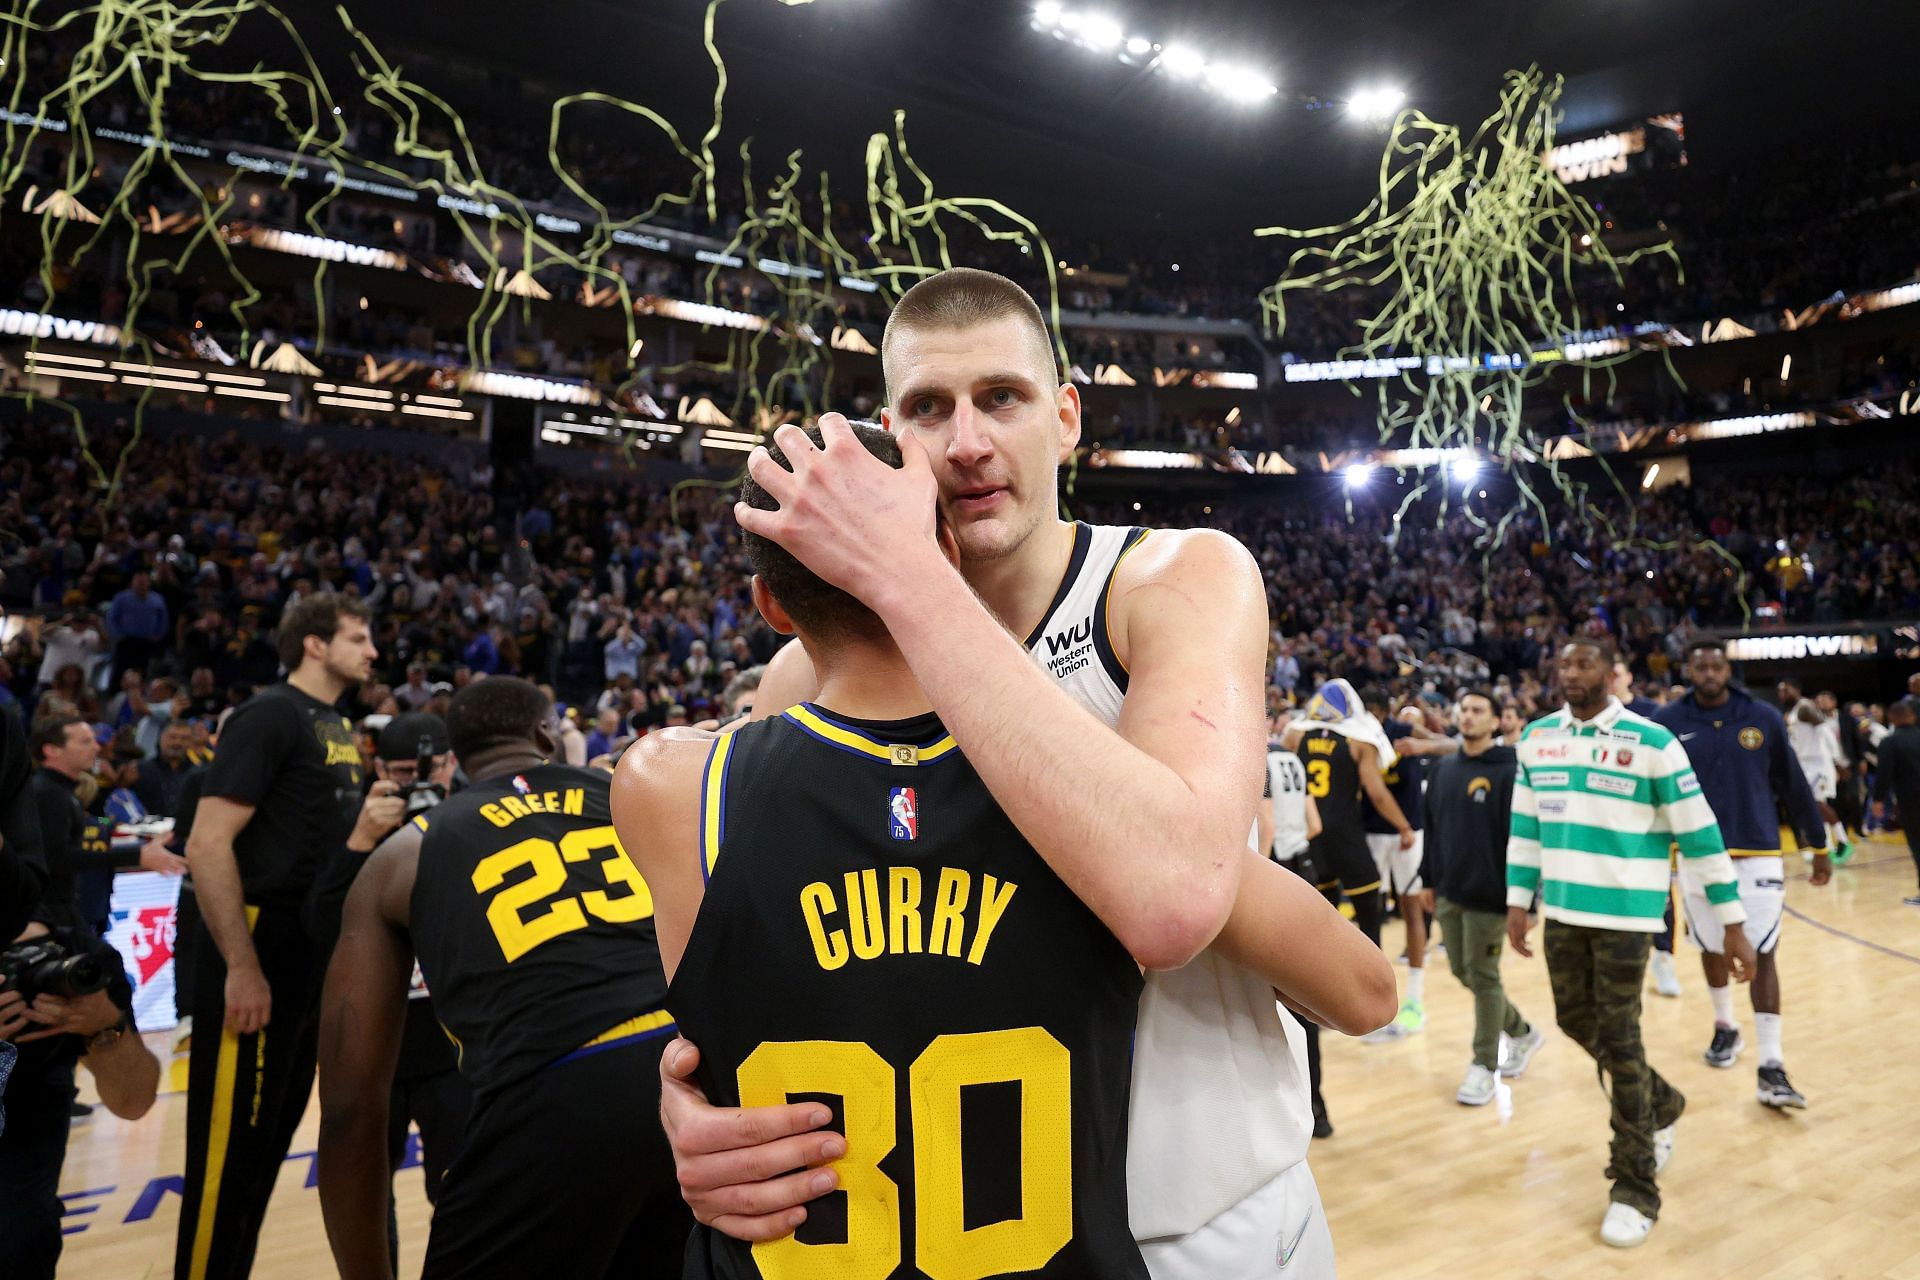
(1898, 778)
(80, 860)
(1469, 799)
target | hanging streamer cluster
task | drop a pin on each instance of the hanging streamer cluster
(155, 52)
(1473, 247)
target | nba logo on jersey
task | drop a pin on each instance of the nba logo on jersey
(520, 785)
(903, 814)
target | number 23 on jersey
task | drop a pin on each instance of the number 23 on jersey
(517, 931)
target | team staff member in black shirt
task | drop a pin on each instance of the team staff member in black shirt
(281, 794)
(80, 861)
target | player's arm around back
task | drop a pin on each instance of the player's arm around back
(656, 814)
(362, 1010)
(1283, 930)
(1147, 826)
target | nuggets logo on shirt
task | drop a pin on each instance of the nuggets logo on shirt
(1479, 788)
(1752, 739)
(903, 814)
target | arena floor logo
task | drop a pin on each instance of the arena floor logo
(77, 1205)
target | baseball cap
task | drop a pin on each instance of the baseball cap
(400, 740)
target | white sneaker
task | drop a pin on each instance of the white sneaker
(1624, 1226)
(1478, 1088)
(1520, 1051)
(1662, 1147)
(1665, 980)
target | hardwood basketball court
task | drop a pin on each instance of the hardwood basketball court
(1415, 1184)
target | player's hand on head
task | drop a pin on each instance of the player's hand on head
(744, 1171)
(849, 517)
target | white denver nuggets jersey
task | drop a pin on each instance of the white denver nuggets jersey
(1072, 641)
(1220, 1100)
(1287, 784)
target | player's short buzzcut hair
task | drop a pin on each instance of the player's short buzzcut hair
(1705, 643)
(495, 712)
(959, 298)
(1475, 691)
(1600, 642)
(816, 606)
(316, 615)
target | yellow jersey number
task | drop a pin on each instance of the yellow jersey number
(1319, 778)
(519, 932)
(944, 1248)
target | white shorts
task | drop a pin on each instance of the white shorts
(1399, 868)
(1763, 892)
(1825, 785)
(1277, 1233)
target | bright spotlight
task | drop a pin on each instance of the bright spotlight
(1069, 20)
(1181, 61)
(1242, 84)
(1047, 12)
(1101, 32)
(1358, 474)
(1463, 469)
(1375, 104)
(1139, 46)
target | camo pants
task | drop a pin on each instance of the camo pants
(1596, 976)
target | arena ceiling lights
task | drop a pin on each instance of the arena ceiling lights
(1102, 33)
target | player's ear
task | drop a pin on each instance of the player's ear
(943, 534)
(1067, 404)
(545, 742)
(769, 607)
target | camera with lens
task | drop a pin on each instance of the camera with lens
(422, 793)
(42, 966)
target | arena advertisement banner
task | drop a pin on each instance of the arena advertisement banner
(144, 911)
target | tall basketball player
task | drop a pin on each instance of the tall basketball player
(938, 984)
(1139, 737)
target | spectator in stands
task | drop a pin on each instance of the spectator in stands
(418, 691)
(607, 734)
(621, 654)
(161, 775)
(74, 641)
(203, 694)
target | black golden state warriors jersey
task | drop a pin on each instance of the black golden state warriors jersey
(533, 929)
(877, 936)
(1333, 780)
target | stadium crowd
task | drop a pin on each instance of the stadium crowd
(161, 603)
